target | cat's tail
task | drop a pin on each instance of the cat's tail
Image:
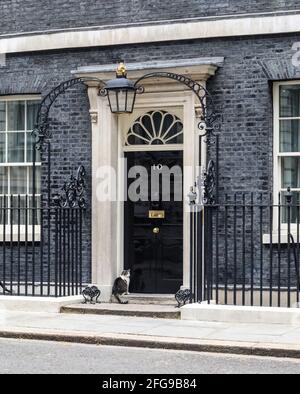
(119, 300)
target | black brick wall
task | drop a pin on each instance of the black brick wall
(241, 89)
(28, 15)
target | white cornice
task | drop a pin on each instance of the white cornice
(145, 33)
(199, 69)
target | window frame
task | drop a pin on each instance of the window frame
(277, 155)
(19, 231)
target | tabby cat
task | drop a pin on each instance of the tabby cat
(121, 286)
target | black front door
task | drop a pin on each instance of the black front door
(154, 221)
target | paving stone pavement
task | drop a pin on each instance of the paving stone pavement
(149, 327)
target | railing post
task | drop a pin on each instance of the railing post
(289, 197)
(191, 252)
(192, 196)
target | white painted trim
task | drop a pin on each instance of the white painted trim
(20, 97)
(277, 168)
(276, 145)
(153, 148)
(108, 36)
(276, 149)
(190, 67)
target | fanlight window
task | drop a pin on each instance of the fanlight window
(156, 128)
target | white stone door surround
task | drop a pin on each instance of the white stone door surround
(107, 150)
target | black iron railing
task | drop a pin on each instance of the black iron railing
(245, 250)
(41, 248)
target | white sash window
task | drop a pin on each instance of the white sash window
(17, 119)
(287, 143)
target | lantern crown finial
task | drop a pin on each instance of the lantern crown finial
(121, 92)
(121, 70)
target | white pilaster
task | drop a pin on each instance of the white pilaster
(104, 213)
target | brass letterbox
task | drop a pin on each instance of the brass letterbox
(157, 214)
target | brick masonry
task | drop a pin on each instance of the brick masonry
(17, 15)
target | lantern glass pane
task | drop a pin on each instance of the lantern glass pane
(130, 100)
(112, 96)
(122, 99)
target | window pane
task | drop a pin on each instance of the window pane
(2, 147)
(3, 203)
(290, 136)
(16, 115)
(37, 180)
(18, 180)
(16, 147)
(293, 212)
(32, 110)
(19, 202)
(30, 141)
(3, 180)
(290, 169)
(290, 101)
(2, 116)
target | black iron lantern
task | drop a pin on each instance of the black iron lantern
(121, 92)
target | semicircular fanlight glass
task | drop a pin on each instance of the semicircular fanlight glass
(155, 128)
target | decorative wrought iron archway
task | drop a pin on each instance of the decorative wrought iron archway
(207, 183)
(73, 189)
(206, 187)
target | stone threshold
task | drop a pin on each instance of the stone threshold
(134, 310)
(151, 299)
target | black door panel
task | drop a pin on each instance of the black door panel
(154, 246)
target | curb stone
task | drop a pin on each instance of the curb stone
(153, 342)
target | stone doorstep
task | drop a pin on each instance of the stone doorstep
(151, 299)
(136, 310)
(158, 306)
(240, 314)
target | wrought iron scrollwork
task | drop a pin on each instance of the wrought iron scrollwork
(208, 116)
(183, 297)
(42, 130)
(73, 191)
(209, 125)
(210, 179)
(210, 175)
(91, 294)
